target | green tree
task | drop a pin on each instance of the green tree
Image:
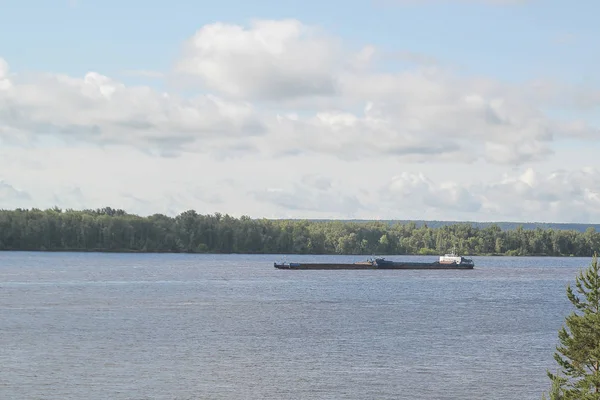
(578, 354)
(109, 229)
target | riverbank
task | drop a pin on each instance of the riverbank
(126, 251)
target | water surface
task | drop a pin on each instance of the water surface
(128, 326)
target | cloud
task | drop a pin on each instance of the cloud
(97, 109)
(64, 196)
(281, 89)
(70, 197)
(580, 97)
(317, 181)
(426, 116)
(313, 194)
(353, 137)
(268, 60)
(5, 83)
(560, 195)
(413, 114)
(11, 197)
(278, 118)
(417, 190)
(315, 186)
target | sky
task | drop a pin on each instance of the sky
(478, 110)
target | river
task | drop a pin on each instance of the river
(176, 326)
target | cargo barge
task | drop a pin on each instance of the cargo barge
(447, 261)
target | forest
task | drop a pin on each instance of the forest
(114, 230)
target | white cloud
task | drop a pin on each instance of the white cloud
(9, 196)
(410, 115)
(70, 197)
(528, 196)
(353, 137)
(574, 194)
(559, 195)
(562, 96)
(416, 190)
(270, 59)
(309, 187)
(317, 181)
(4, 79)
(313, 194)
(322, 127)
(97, 109)
(420, 118)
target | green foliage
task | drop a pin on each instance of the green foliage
(505, 226)
(578, 354)
(556, 390)
(427, 252)
(110, 229)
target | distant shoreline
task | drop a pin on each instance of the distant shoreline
(273, 254)
(110, 230)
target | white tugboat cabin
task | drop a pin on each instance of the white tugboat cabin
(453, 258)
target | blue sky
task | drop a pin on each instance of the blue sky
(514, 42)
(501, 121)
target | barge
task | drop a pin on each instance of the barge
(447, 261)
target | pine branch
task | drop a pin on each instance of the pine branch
(578, 354)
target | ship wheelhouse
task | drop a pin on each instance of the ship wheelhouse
(452, 258)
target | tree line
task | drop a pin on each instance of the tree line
(109, 229)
